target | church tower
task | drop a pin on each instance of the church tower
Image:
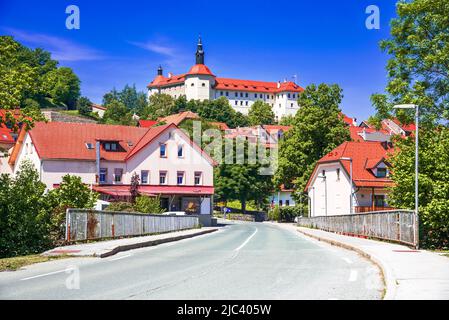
(199, 52)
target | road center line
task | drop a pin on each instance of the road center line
(246, 241)
(44, 275)
(353, 275)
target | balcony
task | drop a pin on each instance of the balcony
(363, 209)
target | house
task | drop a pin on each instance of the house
(369, 134)
(8, 135)
(100, 110)
(330, 189)
(168, 163)
(282, 197)
(146, 123)
(200, 83)
(178, 118)
(392, 127)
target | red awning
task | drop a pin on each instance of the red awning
(123, 190)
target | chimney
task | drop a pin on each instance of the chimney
(278, 84)
(170, 75)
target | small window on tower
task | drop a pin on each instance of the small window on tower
(192, 85)
(203, 84)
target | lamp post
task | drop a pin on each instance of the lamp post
(351, 184)
(416, 107)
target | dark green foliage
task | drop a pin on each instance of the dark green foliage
(84, 106)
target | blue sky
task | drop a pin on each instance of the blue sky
(122, 42)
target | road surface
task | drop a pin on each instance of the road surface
(241, 261)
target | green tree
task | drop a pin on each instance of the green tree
(63, 86)
(287, 120)
(433, 183)
(418, 69)
(146, 204)
(24, 215)
(242, 181)
(260, 113)
(221, 111)
(317, 129)
(159, 105)
(117, 113)
(84, 106)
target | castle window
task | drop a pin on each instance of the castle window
(241, 103)
(236, 102)
(246, 95)
(221, 93)
(246, 103)
(241, 94)
(192, 85)
(294, 96)
(291, 105)
(203, 84)
(288, 95)
(227, 94)
(255, 95)
(236, 94)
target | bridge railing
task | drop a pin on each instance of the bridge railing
(82, 224)
(398, 225)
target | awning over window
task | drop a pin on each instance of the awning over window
(123, 190)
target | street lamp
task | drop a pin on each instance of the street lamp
(416, 107)
(351, 184)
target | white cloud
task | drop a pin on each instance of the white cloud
(60, 48)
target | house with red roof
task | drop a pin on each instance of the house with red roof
(392, 127)
(168, 163)
(352, 178)
(200, 83)
(8, 136)
(99, 109)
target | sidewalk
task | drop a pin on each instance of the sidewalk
(409, 274)
(108, 248)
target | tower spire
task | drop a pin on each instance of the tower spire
(199, 52)
(159, 71)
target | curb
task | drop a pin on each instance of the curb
(386, 273)
(151, 243)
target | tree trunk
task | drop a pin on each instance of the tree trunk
(243, 201)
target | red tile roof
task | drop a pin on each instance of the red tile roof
(356, 130)
(161, 81)
(221, 125)
(61, 140)
(5, 136)
(364, 155)
(275, 128)
(97, 106)
(179, 117)
(349, 121)
(147, 123)
(406, 127)
(200, 69)
(255, 86)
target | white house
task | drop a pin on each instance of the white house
(330, 189)
(168, 163)
(199, 83)
(100, 110)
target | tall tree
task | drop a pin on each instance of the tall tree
(117, 113)
(63, 86)
(159, 105)
(84, 106)
(317, 129)
(260, 113)
(418, 69)
(433, 183)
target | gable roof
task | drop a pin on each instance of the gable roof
(365, 156)
(147, 123)
(221, 125)
(67, 141)
(355, 132)
(255, 86)
(179, 117)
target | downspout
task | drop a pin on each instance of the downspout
(97, 162)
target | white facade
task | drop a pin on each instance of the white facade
(148, 160)
(282, 199)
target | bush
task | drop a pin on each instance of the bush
(121, 206)
(146, 204)
(275, 214)
(284, 214)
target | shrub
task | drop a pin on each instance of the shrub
(121, 206)
(146, 204)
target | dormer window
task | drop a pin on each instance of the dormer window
(110, 146)
(381, 172)
(89, 146)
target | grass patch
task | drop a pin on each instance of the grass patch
(15, 263)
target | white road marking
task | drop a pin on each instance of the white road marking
(121, 257)
(246, 241)
(45, 274)
(347, 260)
(353, 276)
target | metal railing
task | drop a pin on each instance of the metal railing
(82, 224)
(398, 225)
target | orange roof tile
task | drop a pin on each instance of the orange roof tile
(179, 117)
(363, 155)
(200, 69)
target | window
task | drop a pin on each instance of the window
(294, 96)
(118, 175)
(236, 94)
(287, 202)
(280, 203)
(381, 172)
(110, 146)
(323, 173)
(241, 103)
(221, 93)
(162, 177)
(203, 84)
(144, 176)
(180, 177)
(241, 94)
(198, 178)
(89, 146)
(246, 103)
(163, 150)
(291, 105)
(338, 173)
(288, 95)
(227, 94)
(255, 95)
(192, 84)
(236, 102)
(103, 175)
(246, 94)
(379, 200)
(180, 151)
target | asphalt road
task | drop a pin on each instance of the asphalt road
(241, 261)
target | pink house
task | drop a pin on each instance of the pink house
(168, 163)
